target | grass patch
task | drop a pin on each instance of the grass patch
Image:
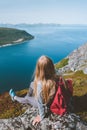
(8, 108)
(80, 93)
(62, 63)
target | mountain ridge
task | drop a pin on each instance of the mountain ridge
(75, 61)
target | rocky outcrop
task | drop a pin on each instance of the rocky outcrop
(53, 122)
(77, 60)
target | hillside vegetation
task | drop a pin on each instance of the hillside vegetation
(80, 92)
(62, 63)
(12, 36)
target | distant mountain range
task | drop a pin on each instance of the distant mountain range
(39, 24)
(29, 25)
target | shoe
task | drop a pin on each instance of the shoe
(12, 94)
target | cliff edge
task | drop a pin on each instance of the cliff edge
(76, 61)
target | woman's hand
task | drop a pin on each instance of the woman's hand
(36, 120)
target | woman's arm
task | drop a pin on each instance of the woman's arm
(41, 105)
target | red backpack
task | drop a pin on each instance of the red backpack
(62, 97)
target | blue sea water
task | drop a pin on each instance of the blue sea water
(17, 62)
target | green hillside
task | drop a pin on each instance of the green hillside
(12, 36)
(80, 92)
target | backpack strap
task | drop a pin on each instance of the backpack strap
(69, 86)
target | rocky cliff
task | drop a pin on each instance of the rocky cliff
(77, 60)
(24, 122)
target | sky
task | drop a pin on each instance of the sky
(43, 11)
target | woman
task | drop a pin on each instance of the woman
(43, 87)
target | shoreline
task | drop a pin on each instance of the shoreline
(19, 41)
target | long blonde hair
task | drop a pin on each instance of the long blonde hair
(45, 72)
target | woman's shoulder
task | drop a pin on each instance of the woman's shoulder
(39, 85)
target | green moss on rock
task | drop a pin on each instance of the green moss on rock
(62, 63)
